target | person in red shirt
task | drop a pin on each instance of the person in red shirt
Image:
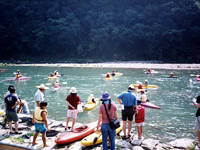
(72, 101)
(139, 118)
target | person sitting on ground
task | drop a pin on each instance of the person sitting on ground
(18, 75)
(40, 122)
(11, 101)
(23, 107)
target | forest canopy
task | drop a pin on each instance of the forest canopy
(100, 30)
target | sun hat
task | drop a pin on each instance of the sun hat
(131, 87)
(73, 90)
(42, 86)
(105, 96)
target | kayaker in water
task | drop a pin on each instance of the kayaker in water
(171, 75)
(91, 99)
(57, 83)
(107, 75)
(196, 103)
(72, 101)
(146, 82)
(113, 73)
(18, 74)
(40, 122)
(56, 73)
(102, 117)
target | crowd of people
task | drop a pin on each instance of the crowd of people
(130, 105)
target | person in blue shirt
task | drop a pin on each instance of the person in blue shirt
(128, 102)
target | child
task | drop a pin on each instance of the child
(139, 119)
(40, 122)
(197, 121)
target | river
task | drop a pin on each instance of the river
(174, 120)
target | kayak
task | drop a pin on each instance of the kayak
(148, 86)
(55, 88)
(78, 133)
(198, 79)
(17, 79)
(116, 74)
(152, 72)
(108, 78)
(88, 141)
(91, 105)
(150, 105)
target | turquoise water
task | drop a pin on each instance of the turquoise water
(175, 119)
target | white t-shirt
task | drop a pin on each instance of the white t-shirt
(39, 96)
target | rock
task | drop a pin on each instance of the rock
(123, 144)
(183, 143)
(163, 146)
(149, 143)
(76, 146)
(138, 148)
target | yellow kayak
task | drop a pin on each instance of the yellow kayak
(88, 141)
(146, 87)
(116, 74)
(91, 105)
(108, 78)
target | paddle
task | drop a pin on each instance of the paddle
(96, 138)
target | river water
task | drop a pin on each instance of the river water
(175, 119)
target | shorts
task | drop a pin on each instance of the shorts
(197, 124)
(40, 128)
(139, 124)
(11, 116)
(127, 113)
(72, 113)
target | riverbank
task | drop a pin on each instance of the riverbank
(130, 65)
(24, 140)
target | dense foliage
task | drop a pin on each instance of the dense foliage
(108, 30)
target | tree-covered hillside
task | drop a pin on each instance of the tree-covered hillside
(107, 30)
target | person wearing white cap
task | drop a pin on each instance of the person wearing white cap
(39, 95)
(127, 99)
(72, 101)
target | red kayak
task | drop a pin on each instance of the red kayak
(150, 105)
(77, 134)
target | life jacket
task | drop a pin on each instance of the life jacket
(140, 86)
(139, 117)
(38, 115)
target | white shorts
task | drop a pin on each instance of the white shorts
(197, 123)
(72, 113)
(139, 124)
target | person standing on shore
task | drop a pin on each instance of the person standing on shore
(11, 101)
(196, 103)
(128, 101)
(40, 122)
(72, 101)
(39, 95)
(102, 117)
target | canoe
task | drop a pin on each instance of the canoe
(78, 133)
(150, 105)
(90, 105)
(7, 146)
(145, 87)
(23, 78)
(88, 141)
